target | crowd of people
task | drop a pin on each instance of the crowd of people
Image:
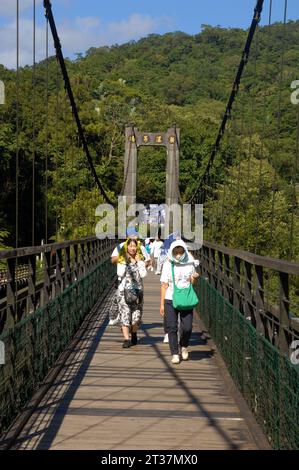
(175, 264)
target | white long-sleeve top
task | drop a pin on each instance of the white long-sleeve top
(156, 248)
(121, 271)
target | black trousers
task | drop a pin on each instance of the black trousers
(171, 324)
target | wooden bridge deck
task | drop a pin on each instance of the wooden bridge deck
(109, 398)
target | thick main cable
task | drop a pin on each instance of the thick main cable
(245, 55)
(59, 54)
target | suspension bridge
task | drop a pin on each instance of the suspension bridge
(66, 383)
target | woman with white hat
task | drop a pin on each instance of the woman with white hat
(178, 298)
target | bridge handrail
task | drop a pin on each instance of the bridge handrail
(60, 265)
(288, 267)
(262, 297)
(36, 250)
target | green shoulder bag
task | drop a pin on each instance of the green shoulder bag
(185, 298)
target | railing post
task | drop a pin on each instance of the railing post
(213, 268)
(82, 260)
(11, 293)
(227, 290)
(101, 250)
(248, 291)
(260, 304)
(67, 269)
(75, 273)
(58, 276)
(93, 252)
(220, 276)
(284, 318)
(97, 251)
(236, 282)
(205, 262)
(31, 300)
(47, 278)
(89, 259)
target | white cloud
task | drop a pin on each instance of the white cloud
(8, 7)
(88, 22)
(76, 36)
(92, 32)
(135, 27)
(8, 42)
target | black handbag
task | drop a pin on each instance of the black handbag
(133, 296)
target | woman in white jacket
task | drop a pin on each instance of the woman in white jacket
(184, 274)
(129, 296)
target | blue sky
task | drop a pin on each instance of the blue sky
(185, 15)
(86, 23)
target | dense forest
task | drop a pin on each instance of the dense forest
(153, 83)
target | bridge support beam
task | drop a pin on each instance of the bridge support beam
(130, 167)
(172, 167)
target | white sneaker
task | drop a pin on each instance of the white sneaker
(152, 269)
(185, 354)
(175, 359)
(166, 340)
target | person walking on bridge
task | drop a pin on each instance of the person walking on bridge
(134, 235)
(178, 298)
(127, 307)
(155, 252)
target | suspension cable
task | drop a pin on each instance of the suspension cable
(60, 57)
(47, 132)
(56, 153)
(225, 184)
(274, 188)
(33, 124)
(65, 170)
(245, 55)
(252, 92)
(294, 198)
(239, 152)
(257, 219)
(17, 126)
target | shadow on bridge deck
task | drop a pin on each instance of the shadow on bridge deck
(109, 398)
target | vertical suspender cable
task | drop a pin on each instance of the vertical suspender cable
(33, 126)
(210, 183)
(65, 147)
(225, 184)
(257, 219)
(47, 131)
(248, 197)
(56, 153)
(294, 202)
(278, 120)
(241, 134)
(17, 130)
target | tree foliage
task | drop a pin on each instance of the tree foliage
(153, 83)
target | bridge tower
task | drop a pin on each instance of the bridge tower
(135, 139)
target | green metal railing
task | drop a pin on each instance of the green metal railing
(34, 343)
(265, 376)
